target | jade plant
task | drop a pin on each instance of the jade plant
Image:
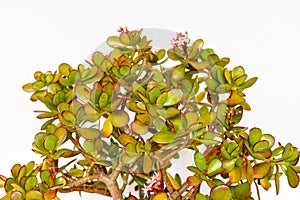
(116, 125)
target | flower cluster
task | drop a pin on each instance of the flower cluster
(153, 185)
(181, 40)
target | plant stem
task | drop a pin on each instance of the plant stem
(257, 190)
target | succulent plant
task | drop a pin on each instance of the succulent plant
(123, 118)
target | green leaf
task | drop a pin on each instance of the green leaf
(240, 80)
(248, 83)
(288, 151)
(115, 42)
(139, 180)
(119, 118)
(269, 138)
(69, 116)
(223, 88)
(227, 76)
(38, 94)
(293, 178)
(261, 146)
(139, 128)
(199, 65)
(173, 56)
(160, 54)
(103, 100)
(124, 139)
(214, 166)
(30, 182)
(47, 178)
(173, 181)
(50, 142)
(15, 170)
(255, 135)
(125, 39)
(207, 118)
(60, 181)
(211, 84)
(64, 69)
(44, 115)
(242, 191)
(174, 97)
(153, 94)
(235, 99)
(147, 164)
(97, 58)
(237, 72)
(17, 187)
(200, 161)
(144, 118)
(228, 165)
(89, 133)
(61, 135)
(163, 137)
(200, 196)
(34, 194)
(38, 85)
(76, 172)
(221, 192)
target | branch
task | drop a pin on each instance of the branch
(88, 189)
(111, 184)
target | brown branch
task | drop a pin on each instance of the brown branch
(111, 184)
(88, 189)
(166, 180)
(180, 191)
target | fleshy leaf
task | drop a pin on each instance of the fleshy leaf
(89, 133)
(163, 137)
(221, 192)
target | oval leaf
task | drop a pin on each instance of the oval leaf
(221, 192)
(89, 133)
(292, 177)
(120, 118)
(163, 137)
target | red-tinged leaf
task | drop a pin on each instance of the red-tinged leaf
(261, 146)
(193, 181)
(235, 175)
(28, 87)
(34, 194)
(107, 127)
(261, 170)
(221, 192)
(46, 115)
(265, 183)
(65, 69)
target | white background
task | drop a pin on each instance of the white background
(263, 36)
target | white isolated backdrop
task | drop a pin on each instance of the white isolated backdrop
(262, 36)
